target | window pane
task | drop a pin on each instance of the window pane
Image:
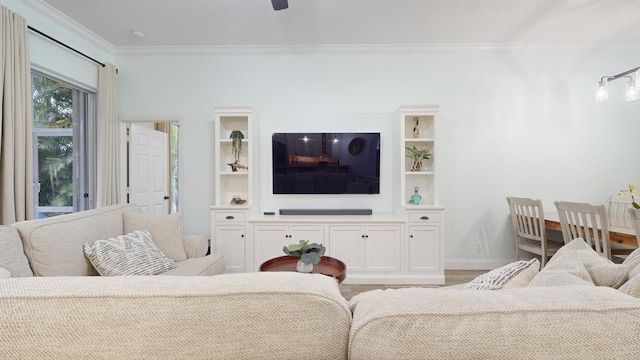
(52, 103)
(55, 170)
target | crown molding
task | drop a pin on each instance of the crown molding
(59, 18)
(361, 48)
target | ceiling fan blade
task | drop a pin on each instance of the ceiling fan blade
(279, 4)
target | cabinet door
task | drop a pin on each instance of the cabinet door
(229, 241)
(313, 233)
(382, 248)
(347, 243)
(268, 241)
(424, 248)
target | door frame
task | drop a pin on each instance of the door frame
(124, 121)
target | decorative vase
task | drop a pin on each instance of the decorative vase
(303, 268)
(416, 129)
(415, 198)
(416, 165)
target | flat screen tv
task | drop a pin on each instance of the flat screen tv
(326, 163)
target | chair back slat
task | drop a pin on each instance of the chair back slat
(586, 221)
(620, 219)
(527, 218)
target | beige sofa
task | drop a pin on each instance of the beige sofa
(54, 246)
(577, 307)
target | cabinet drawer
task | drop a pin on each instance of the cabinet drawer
(230, 216)
(425, 216)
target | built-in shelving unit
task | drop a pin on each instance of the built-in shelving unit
(402, 247)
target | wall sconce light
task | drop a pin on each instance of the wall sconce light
(632, 88)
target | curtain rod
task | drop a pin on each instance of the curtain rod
(65, 45)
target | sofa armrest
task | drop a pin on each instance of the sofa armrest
(195, 246)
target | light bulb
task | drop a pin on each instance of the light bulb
(633, 92)
(602, 93)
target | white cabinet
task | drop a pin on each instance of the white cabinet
(230, 242)
(268, 240)
(235, 192)
(424, 245)
(402, 247)
(228, 229)
(367, 248)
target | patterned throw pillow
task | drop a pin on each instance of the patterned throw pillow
(499, 278)
(130, 254)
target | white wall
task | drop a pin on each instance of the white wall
(518, 121)
(512, 122)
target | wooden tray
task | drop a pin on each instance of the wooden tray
(327, 266)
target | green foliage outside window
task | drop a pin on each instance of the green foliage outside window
(53, 109)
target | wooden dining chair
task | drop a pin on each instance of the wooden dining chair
(527, 217)
(620, 219)
(635, 217)
(586, 221)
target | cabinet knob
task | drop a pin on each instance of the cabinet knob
(242, 235)
(229, 217)
(411, 236)
(363, 236)
(424, 217)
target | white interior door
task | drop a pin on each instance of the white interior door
(148, 169)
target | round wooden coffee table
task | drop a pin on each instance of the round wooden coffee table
(327, 266)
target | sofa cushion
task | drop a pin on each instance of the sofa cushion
(633, 262)
(421, 323)
(54, 245)
(266, 315)
(165, 231)
(632, 287)
(577, 263)
(201, 266)
(12, 256)
(129, 254)
(515, 274)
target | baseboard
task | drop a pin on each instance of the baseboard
(326, 211)
(475, 265)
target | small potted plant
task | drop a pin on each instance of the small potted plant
(417, 155)
(309, 254)
(236, 147)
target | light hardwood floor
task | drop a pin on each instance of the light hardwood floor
(451, 277)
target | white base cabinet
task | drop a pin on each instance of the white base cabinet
(268, 240)
(367, 248)
(377, 249)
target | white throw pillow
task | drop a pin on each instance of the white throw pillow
(632, 287)
(164, 229)
(4, 273)
(519, 272)
(131, 254)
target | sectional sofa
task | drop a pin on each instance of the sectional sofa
(578, 307)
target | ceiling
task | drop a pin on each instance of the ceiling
(345, 22)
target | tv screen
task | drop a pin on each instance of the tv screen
(326, 163)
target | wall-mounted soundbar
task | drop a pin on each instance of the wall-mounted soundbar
(326, 211)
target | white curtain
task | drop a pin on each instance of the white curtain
(16, 155)
(108, 177)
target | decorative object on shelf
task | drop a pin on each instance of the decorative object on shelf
(633, 191)
(417, 155)
(416, 130)
(236, 166)
(237, 200)
(236, 148)
(309, 254)
(415, 198)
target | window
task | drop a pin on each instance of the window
(63, 147)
